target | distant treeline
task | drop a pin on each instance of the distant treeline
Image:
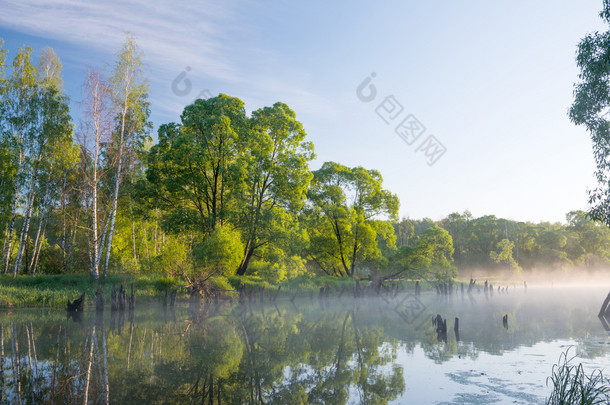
(500, 244)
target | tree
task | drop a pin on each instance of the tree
(7, 167)
(346, 207)
(58, 154)
(194, 169)
(94, 136)
(20, 117)
(431, 255)
(590, 108)
(37, 121)
(504, 253)
(277, 177)
(129, 94)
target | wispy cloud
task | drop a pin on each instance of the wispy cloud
(167, 32)
(213, 38)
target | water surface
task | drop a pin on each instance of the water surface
(381, 349)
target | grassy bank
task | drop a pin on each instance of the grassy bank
(55, 291)
(44, 291)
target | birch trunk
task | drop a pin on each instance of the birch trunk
(7, 256)
(37, 253)
(133, 241)
(25, 229)
(36, 242)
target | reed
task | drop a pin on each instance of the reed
(571, 385)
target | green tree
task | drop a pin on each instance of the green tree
(277, 176)
(129, 91)
(590, 108)
(220, 252)
(20, 130)
(37, 126)
(504, 253)
(434, 250)
(194, 169)
(346, 207)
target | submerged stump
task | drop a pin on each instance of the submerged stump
(99, 303)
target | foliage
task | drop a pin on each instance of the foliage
(345, 210)
(504, 253)
(220, 252)
(590, 107)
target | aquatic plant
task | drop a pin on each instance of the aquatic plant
(571, 385)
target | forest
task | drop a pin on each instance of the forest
(221, 193)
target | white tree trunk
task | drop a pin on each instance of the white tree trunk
(24, 230)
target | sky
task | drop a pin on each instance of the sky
(465, 107)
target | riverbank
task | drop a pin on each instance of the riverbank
(54, 291)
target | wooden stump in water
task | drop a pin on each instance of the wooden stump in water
(114, 299)
(242, 294)
(78, 305)
(605, 309)
(132, 298)
(441, 328)
(121, 298)
(172, 300)
(471, 285)
(456, 329)
(417, 288)
(505, 321)
(99, 303)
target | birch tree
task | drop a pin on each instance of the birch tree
(129, 95)
(52, 127)
(95, 133)
(20, 120)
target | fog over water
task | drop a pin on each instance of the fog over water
(374, 349)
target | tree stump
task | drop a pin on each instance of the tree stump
(172, 300)
(99, 303)
(132, 298)
(605, 309)
(114, 299)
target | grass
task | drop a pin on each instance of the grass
(304, 285)
(572, 386)
(54, 291)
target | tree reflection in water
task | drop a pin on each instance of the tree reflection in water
(331, 353)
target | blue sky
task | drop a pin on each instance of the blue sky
(491, 81)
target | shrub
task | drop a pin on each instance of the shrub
(220, 252)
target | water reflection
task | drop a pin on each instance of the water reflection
(323, 351)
